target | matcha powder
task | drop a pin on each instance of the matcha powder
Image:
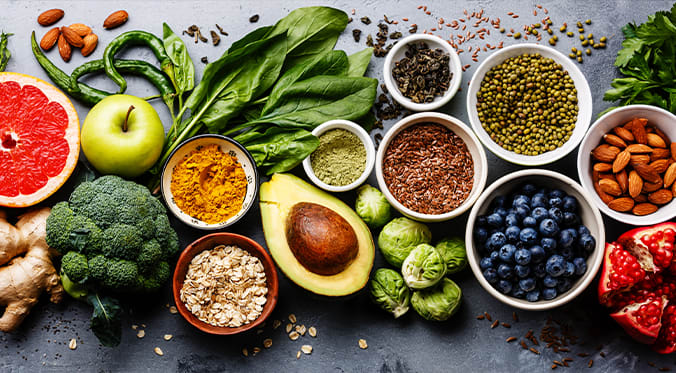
(340, 158)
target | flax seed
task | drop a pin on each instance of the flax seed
(533, 350)
(480, 317)
(506, 325)
(495, 323)
(591, 362)
(511, 339)
(554, 366)
(488, 316)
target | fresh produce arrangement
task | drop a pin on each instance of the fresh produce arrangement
(282, 95)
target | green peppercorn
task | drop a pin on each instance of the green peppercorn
(534, 32)
(562, 28)
(588, 51)
(588, 21)
(603, 39)
(517, 35)
(569, 33)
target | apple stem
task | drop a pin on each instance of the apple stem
(126, 119)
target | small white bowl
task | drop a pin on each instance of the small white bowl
(584, 103)
(227, 145)
(399, 51)
(666, 122)
(589, 214)
(365, 139)
(473, 145)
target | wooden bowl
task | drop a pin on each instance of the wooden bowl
(209, 242)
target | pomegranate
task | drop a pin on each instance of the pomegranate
(638, 282)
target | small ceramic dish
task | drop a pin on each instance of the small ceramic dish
(467, 136)
(589, 214)
(663, 119)
(399, 51)
(584, 102)
(227, 145)
(363, 137)
(208, 242)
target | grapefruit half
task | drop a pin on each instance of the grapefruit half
(39, 139)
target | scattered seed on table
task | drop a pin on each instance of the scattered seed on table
(515, 317)
(583, 354)
(523, 344)
(494, 324)
(72, 344)
(292, 318)
(480, 317)
(312, 332)
(511, 339)
(298, 355)
(288, 328)
(276, 324)
(665, 369)
(506, 325)
(245, 352)
(141, 333)
(220, 29)
(256, 350)
(159, 351)
(362, 344)
(167, 337)
(204, 60)
(558, 362)
(603, 354)
(567, 359)
(591, 362)
(307, 349)
(488, 316)
(554, 366)
(267, 343)
(254, 18)
(173, 309)
(294, 335)
(535, 351)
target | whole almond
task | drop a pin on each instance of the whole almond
(670, 175)
(651, 187)
(605, 197)
(64, 48)
(656, 141)
(623, 180)
(621, 204)
(49, 17)
(660, 165)
(661, 197)
(621, 161)
(635, 184)
(81, 29)
(628, 125)
(663, 135)
(660, 153)
(638, 130)
(72, 37)
(90, 43)
(603, 167)
(647, 173)
(624, 134)
(673, 189)
(607, 176)
(641, 198)
(639, 148)
(639, 159)
(614, 140)
(49, 40)
(611, 187)
(116, 19)
(644, 209)
(673, 150)
(605, 153)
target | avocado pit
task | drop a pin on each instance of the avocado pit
(320, 239)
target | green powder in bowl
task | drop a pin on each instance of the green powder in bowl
(340, 158)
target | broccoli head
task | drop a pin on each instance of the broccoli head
(150, 254)
(74, 265)
(58, 228)
(123, 241)
(121, 275)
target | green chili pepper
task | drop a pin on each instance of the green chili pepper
(133, 38)
(5, 54)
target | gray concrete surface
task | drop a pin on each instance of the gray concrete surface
(407, 345)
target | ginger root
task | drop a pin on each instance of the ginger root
(25, 278)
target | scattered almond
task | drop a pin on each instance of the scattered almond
(72, 37)
(81, 29)
(614, 140)
(623, 133)
(50, 17)
(603, 167)
(312, 332)
(116, 19)
(605, 153)
(72, 344)
(362, 344)
(639, 148)
(635, 184)
(611, 187)
(622, 180)
(90, 43)
(656, 141)
(159, 351)
(621, 204)
(621, 161)
(644, 209)
(267, 343)
(670, 175)
(307, 349)
(168, 337)
(49, 40)
(661, 197)
(64, 48)
(298, 355)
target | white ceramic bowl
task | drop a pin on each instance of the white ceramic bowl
(365, 139)
(473, 145)
(589, 214)
(584, 102)
(399, 51)
(227, 145)
(665, 120)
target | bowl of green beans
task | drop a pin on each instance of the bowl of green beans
(529, 104)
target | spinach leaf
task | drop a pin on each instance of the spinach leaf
(106, 319)
(5, 54)
(184, 69)
(359, 62)
(279, 149)
(258, 34)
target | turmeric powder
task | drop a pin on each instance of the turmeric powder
(209, 184)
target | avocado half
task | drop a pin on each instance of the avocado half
(318, 241)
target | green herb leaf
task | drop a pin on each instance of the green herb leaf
(184, 69)
(5, 54)
(359, 62)
(279, 149)
(106, 319)
(629, 48)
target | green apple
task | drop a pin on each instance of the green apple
(122, 135)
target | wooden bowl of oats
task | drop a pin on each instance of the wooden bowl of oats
(225, 283)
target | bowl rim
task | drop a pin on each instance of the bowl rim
(167, 193)
(596, 257)
(433, 117)
(584, 168)
(455, 67)
(271, 277)
(583, 118)
(366, 141)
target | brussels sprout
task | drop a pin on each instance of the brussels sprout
(389, 291)
(423, 267)
(437, 303)
(453, 251)
(399, 237)
(372, 206)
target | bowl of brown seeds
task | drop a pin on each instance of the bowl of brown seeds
(431, 167)
(422, 72)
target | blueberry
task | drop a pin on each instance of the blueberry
(548, 244)
(570, 269)
(500, 211)
(549, 227)
(583, 231)
(549, 294)
(567, 237)
(504, 286)
(533, 296)
(556, 265)
(512, 233)
(519, 200)
(507, 253)
(564, 285)
(530, 222)
(570, 219)
(522, 211)
(491, 275)
(495, 256)
(555, 214)
(505, 271)
(528, 189)
(580, 266)
(539, 213)
(556, 193)
(522, 271)
(511, 220)
(486, 263)
(539, 270)
(517, 293)
(537, 254)
(495, 241)
(587, 242)
(550, 281)
(527, 284)
(522, 256)
(569, 204)
(499, 201)
(528, 236)
(554, 202)
(566, 253)
(480, 235)
(538, 200)
(495, 220)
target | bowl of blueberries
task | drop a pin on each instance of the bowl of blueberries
(535, 239)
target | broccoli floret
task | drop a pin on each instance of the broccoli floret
(58, 227)
(121, 275)
(82, 196)
(166, 236)
(150, 254)
(102, 209)
(98, 268)
(122, 241)
(154, 280)
(74, 265)
(84, 236)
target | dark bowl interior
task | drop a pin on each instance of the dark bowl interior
(209, 242)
